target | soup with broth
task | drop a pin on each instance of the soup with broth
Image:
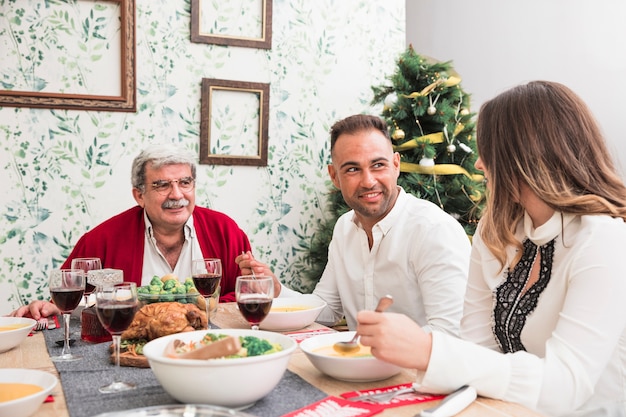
(13, 390)
(288, 309)
(363, 352)
(8, 327)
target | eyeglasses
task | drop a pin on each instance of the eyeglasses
(164, 187)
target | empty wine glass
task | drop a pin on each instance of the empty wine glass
(254, 297)
(116, 305)
(67, 287)
(207, 274)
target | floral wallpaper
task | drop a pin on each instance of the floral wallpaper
(65, 171)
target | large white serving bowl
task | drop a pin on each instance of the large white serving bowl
(26, 406)
(12, 338)
(234, 383)
(308, 308)
(352, 369)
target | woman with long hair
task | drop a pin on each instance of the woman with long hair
(545, 308)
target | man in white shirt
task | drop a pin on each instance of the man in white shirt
(390, 242)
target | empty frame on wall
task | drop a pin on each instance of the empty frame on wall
(233, 124)
(63, 60)
(247, 23)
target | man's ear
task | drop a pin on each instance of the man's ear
(138, 196)
(333, 175)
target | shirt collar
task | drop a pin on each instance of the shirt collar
(549, 230)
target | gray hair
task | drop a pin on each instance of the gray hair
(160, 155)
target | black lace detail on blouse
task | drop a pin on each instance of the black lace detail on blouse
(511, 306)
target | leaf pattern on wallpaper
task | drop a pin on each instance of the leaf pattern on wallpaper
(66, 171)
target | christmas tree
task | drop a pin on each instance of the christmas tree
(432, 127)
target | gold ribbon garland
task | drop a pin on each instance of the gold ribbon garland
(448, 82)
(439, 169)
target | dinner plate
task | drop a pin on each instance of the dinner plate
(178, 410)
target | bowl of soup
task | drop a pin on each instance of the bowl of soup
(22, 391)
(358, 366)
(13, 331)
(292, 313)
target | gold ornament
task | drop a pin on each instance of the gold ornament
(398, 134)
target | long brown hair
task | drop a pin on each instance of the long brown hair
(543, 135)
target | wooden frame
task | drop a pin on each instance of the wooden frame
(203, 34)
(233, 125)
(123, 99)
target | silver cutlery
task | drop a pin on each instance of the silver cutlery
(452, 404)
(383, 397)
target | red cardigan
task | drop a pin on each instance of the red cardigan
(119, 243)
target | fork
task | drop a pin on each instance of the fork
(383, 397)
(45, 323)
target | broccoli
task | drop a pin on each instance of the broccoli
(256, 346)
(169, 284)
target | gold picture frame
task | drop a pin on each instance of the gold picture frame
(121, 97)
(234, 122)
(213, 28)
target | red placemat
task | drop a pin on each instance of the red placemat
(335, 406)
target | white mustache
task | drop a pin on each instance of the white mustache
(183, 202)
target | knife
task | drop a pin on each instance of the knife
(452, 404)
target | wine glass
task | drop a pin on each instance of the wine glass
(67, 287)
(87, 264)
(207, 274)
(254, 295)
(116, 305)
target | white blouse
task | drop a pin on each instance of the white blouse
(574, 361)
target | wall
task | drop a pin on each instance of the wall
(497, 44)
(66, 171)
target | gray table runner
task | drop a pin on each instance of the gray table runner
(81, 380)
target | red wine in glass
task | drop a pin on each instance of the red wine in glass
(67, 299)
(254, 309)
(206, 284)
(116, 318)
(115, 307)
(67, 287)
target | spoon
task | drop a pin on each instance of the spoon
(353, 345)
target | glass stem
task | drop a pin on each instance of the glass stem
(207, 307)
(66, 334)
(117, 340)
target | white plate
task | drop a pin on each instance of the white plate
(293, 320)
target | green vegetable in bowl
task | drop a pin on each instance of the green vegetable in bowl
(168, 288)
(250, 345)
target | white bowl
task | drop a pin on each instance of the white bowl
(178, 410)
(12, 338)
(309, 307)
(234, 383)
(352, 369)
(26, 406)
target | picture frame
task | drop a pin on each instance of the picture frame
(215, 27)
(234, 122)
(111, 92)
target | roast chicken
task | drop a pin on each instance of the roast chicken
(161, 319)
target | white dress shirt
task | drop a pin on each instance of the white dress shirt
(154, 263)
(420, 256)
(575, 339)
